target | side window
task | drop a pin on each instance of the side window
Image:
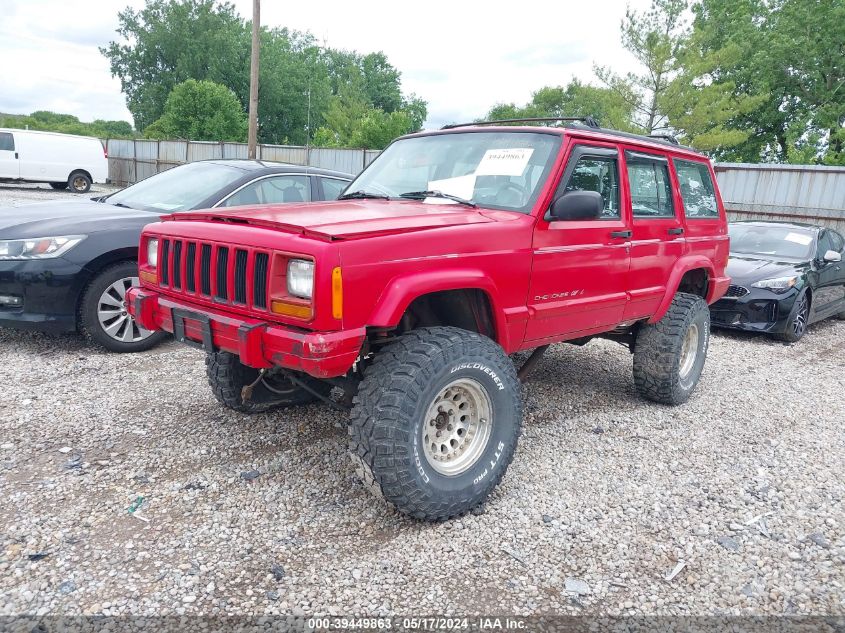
(825, 244)
(332, 187)
(7, 142)
(838, 241)
(651, 188)
(697, 189)
(273, 190)
(597, 173)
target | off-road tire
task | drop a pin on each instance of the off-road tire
(227, 377)
(79, 182)
(59, 185)
(801, 309)
(658, 351)
(387, 421)
(88, 323)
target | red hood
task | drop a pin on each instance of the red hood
(347, 219)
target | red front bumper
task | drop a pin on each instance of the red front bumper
(256, 342)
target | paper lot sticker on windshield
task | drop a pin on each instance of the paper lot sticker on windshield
(504, 162)
(799, 238)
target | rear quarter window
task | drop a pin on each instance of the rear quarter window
(7, 142)
(697, 190)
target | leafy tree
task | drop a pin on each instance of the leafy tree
(575, 99)
(66, 124)
(654, 38)
(202, 111)
(169, 41)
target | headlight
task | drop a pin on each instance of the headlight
(152, 252)
(300, 278)
(778, 284)
(38, 247)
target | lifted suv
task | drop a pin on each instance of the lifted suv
(451, 251)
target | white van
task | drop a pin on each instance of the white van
(63, 160)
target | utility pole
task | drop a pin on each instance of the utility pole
(253, 79)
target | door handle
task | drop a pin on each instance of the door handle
(628, 233)
(16, 155)
(677, 231)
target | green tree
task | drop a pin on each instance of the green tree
(575, 99)
(654, 38)
(202, 111)
(169, 41)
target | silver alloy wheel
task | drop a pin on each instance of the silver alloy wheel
(457, 427)
(800, 322)
(113, 316)
(79, 183)
(689, 351)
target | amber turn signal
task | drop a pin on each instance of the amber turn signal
(149, 276)
(290, 309)
(337, 293)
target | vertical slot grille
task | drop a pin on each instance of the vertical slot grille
(177, 264)
(222, 291)
(240, 276)
(259, 280)
(164, 263)
(205, 269)
(190, 268)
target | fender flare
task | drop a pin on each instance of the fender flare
(401, 291)
(682, 267)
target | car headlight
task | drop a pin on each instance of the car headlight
(300, 278)
(38, 247)
(152, 252)
(777, 284)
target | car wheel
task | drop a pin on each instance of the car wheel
(797, 326)
(103, 318)
(227, 377)
(79, 182)
(58, 185)
(436, 421)
(669, 355)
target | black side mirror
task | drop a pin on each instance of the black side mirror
(578, 205)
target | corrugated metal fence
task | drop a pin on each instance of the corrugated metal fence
(804, 193)
(808, 193)
(134, 160)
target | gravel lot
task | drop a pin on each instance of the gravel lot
(252, 515)
(16, 195)
(263, 514)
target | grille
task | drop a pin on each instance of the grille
(259, 280)
(205, 269)
(222, 273)
(736, 291)
(219, 272)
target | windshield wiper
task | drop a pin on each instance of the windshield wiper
(120, 204)
(422, 195)
(358, 195)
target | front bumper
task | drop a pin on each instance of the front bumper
(258, 343)
(760, 310)
(47, 289)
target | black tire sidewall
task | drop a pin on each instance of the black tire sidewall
(76, 175)
(701, 318)
(90, 323)
(491, 464)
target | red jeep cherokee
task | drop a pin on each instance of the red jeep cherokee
(451, 251)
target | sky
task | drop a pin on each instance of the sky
(461, 57)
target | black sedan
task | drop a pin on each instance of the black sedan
(784, 276)
(66, 265)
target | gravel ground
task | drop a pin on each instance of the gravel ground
(16, 195)
(607, 494)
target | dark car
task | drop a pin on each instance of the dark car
(784, 276)
(66, 265)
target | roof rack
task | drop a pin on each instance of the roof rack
(586, 120)
(665, 136)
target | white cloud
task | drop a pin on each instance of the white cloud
(462, 57)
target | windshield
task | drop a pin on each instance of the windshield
(498, 170)
(771, 242)
(178, 189)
